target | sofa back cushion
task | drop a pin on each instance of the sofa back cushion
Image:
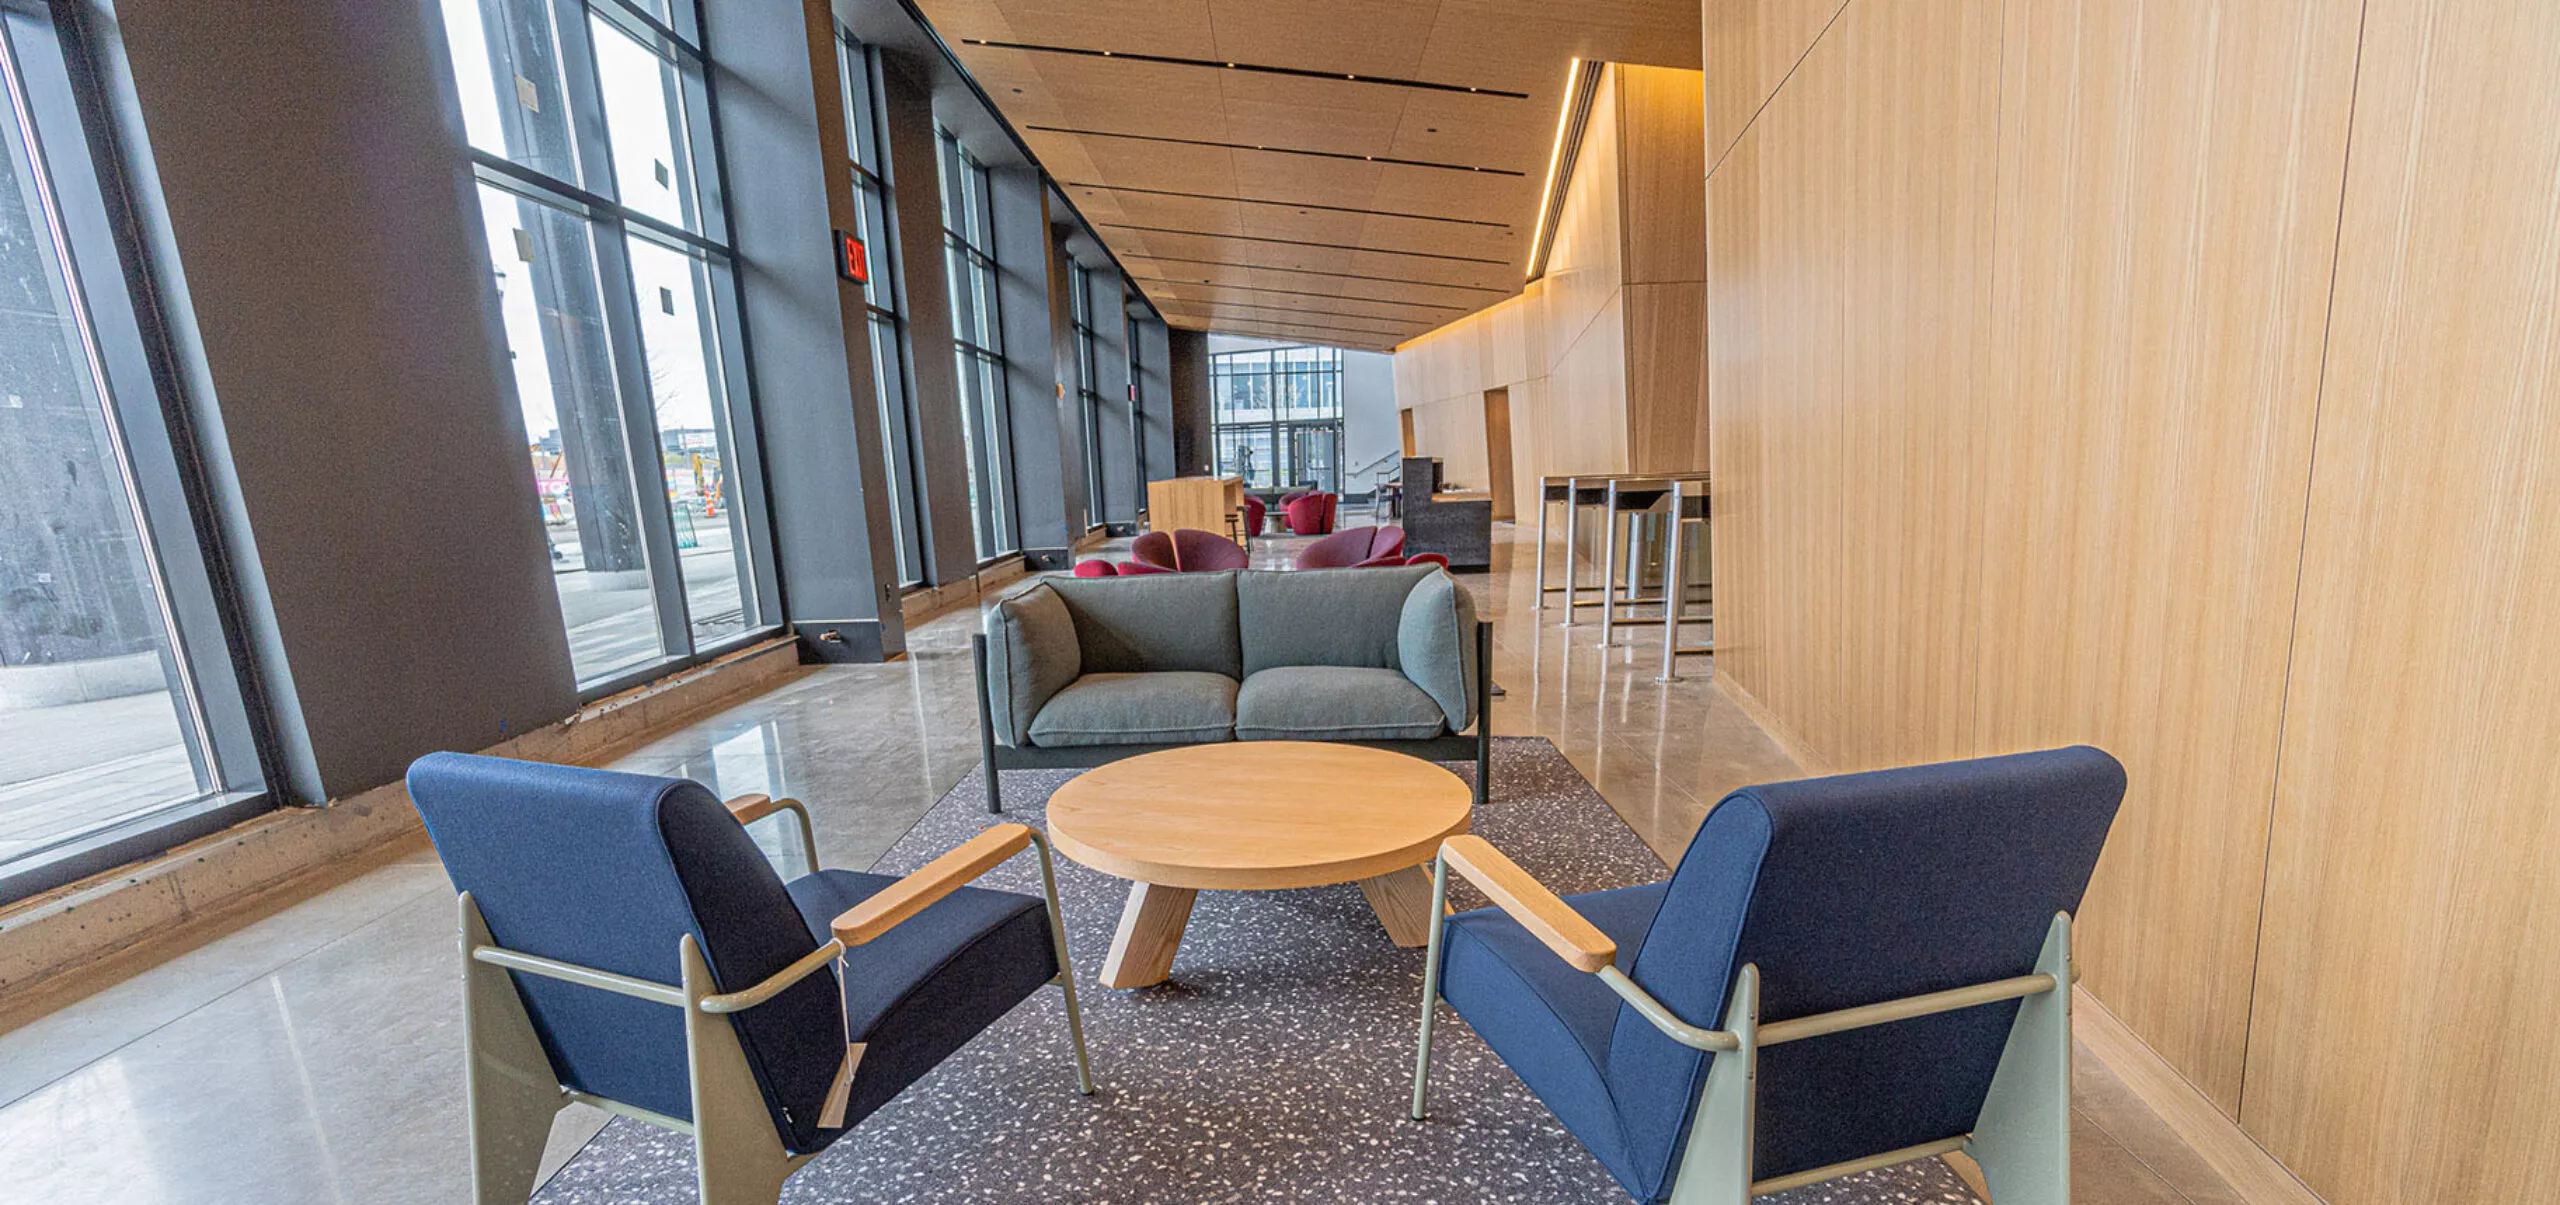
(1436, 641)
(1344, 617)
(1154, 624)
(1032, 654)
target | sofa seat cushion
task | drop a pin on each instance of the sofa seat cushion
(1164, 707)
(923, 989)
(1334, 703)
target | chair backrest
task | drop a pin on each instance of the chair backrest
(1311, 514)
(1851, 890)
(1254, 512)
(1095, 568)
(1386, 541)
(1197, 551)
(1342, 549)
(609, 871)
(1154, 548)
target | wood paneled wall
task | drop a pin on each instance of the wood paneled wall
(1604, 356)
(2184, 378)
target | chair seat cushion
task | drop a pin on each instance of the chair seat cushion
(1334, 703)
(1548, 1021)
(924, 988)
(1164, 707)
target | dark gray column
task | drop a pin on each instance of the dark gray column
(1167, 398)
(318, 227)
(1026, 306)
(1188, 385)
(915, 192)
(783, 131)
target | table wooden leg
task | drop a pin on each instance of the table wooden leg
(1150, 928)
(1402, 900)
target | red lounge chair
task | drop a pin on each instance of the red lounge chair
(1355, 546)
(1154, 548)
(1254, 514)
(1196, 551)
(1311, 514)
(1095, 568)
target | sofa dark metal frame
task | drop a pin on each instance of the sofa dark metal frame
(1457, 746)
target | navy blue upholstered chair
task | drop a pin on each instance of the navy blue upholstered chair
(625, 944)
(1843, 973)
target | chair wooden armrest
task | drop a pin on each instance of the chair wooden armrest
(751, 808)
(934, 880)
(1547, 918)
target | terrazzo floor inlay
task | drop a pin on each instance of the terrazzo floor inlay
(1275, 1065)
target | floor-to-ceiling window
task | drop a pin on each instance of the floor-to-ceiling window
(1278, 416)
(968, 222)
(881, 295)
(120, 716)
(1088, 387)
(590, 125)
(1129, 302)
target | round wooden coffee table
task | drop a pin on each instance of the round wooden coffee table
(1256, 816)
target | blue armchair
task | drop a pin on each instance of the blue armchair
(1842, 973)
(626, 945)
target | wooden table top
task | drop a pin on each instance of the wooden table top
(1258, 815)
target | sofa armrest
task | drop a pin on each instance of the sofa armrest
(1436, 646)
(1032, 654)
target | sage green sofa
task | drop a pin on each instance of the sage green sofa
(1081, 671)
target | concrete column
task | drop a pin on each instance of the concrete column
(915, 192)
(314, 220)
(782, 118)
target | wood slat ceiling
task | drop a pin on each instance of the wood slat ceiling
(1375, 209)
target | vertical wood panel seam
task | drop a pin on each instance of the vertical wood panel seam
(2301, 552)
(1754, 119)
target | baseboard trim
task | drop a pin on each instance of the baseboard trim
(1787, 740)
(2258, 1177)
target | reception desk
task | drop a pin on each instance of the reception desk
(1204, 503)
(1457, 525)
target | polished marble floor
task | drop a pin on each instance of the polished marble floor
(307, 1049)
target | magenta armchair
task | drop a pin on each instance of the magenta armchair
(1095, 568)
(1196, 551)
(1154, 548)
(1311, 514)
(1355, 546)
(1254, 513)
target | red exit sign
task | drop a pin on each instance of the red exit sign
(852, 263)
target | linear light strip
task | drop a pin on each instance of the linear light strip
(1259, 68)
(1277, 150)
(1228, 263)
(1223, 286)
(1294, 242)
(1381, 213)
(1576, 112)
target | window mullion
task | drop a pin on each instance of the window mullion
(640, 436)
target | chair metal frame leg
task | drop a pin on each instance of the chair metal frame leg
(1430, 987)
(508, 1083)
(986, 727)
(2023, 1137)
(1066, 979)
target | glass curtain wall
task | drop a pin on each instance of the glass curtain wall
(590, 126)
(1137, 395)
(1088, 387)
(1278, 416)
(119, 713)
(968, 241)
(869, 141)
